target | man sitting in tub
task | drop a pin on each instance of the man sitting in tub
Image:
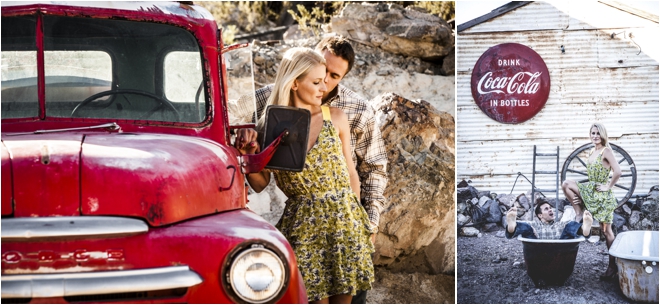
(546, 227)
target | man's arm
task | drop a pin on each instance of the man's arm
(243, 136)
(262, 96)
(371, 165)
(243, 109)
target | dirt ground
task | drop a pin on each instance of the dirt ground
(411, 288)
(490, 269)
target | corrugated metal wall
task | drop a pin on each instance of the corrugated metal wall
(613, 80)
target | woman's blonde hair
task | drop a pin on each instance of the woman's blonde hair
(295, 64)
(603, 134)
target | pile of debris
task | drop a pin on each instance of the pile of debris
(483, 211)
(639, 213)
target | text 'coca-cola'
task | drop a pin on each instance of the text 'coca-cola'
(510, 83)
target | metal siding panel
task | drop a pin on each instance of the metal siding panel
(565, 120)
(534, 16)
(638, 84)
(494, 165)
(561, 15)
(623, 51)
(589, 48)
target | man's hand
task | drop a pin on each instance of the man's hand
(246, 141)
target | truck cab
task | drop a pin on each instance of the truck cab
(119, 181)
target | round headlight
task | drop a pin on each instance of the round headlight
(257, 275)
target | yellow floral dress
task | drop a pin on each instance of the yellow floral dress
(600, 204)
(325, 223)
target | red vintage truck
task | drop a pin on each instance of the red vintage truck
(119, 183)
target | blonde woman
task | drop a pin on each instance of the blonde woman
(596, 194)
(323, 219)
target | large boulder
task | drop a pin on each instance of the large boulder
(417, 223)
(395, 29)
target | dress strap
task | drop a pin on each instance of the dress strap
(326, 113)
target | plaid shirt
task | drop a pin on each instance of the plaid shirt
(368, 149)
(551, 230)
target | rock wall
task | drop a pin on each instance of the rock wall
(417, 232)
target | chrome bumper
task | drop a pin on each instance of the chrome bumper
(94, 283)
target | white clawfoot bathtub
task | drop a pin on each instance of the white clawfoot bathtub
(636, 255)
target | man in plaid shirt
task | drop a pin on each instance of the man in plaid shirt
(545, 226)
(369, 154)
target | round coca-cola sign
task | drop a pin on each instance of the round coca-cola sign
(510, 83)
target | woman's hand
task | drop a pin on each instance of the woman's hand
(602, 188)
(576, 201)
(246, 141)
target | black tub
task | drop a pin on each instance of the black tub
(550, 261)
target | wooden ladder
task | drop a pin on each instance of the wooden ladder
(555, 172)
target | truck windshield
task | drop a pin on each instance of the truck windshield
(102, 68)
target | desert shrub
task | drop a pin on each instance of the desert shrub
(238, 16)
(443, 9)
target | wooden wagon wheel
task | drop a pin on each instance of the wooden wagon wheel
(575, 168)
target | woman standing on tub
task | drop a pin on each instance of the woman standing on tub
(596, 194)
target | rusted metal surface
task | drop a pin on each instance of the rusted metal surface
(153, 176)
(637, 258)
(46, 174)
(235, 47)
(510, 83)
(534, 16)
(550, 262)
(561, 15)
(629, 47)
(588, 48)
(569, 120)
(493, 14)
(609, 85)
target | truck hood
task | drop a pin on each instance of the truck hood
(160, 178)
